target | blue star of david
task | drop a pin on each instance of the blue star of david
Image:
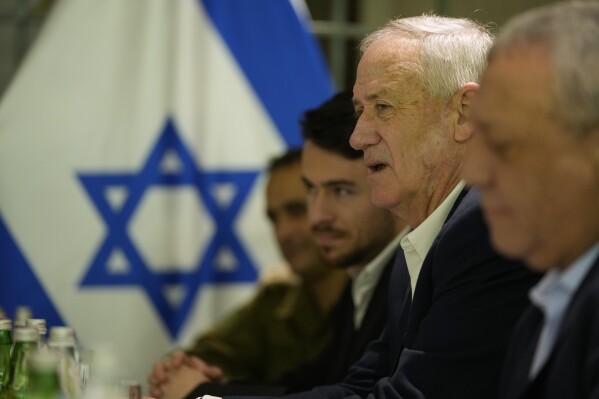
(116, 219)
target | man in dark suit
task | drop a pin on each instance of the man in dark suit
(454, 299)
(535, 159)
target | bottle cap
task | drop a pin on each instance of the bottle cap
(25, 334)
(22, 314)
(62, 336)
(39, 324)
(5, 324)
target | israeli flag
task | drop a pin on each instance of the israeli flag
(133, 142)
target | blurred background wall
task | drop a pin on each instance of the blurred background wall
(339, 25)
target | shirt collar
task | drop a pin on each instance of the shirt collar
(365, 282)
(379, 261)
(557, 287)
(420, 240)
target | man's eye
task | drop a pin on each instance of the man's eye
(297, 210)
(382, 107)
(342, 192)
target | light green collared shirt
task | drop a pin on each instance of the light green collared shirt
(553, 295)
(417, 243)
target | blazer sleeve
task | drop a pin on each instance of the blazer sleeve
(372, 366)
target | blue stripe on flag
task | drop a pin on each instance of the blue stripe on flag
(20, 286)
(280, 59)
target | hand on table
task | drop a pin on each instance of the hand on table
(180, 373)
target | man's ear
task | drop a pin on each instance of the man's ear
(463, 101)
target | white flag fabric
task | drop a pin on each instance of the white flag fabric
(133, 142)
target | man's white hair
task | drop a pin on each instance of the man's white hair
(452, 51)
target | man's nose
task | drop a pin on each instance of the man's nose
(320, 209)
(363, 134)
(285, 230)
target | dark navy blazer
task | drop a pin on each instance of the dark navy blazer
(572, 369)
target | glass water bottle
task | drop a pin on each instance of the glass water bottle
(18, 383)
(5, 348)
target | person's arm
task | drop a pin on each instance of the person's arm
(361, 378)
(236, 344)
(232, 345)
(182, 381)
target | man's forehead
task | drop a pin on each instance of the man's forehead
(511, 79)
(285, 199)
(391, 84)
(342, 171)
(331, 176)
(517, 63)
(390, 54)
(372, 94)
(398, 67)
(386, 82)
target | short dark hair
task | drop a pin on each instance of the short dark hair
(331, 124)
(288, 158)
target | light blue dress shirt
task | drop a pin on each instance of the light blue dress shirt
(553, 295)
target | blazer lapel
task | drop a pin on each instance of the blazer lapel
(400, 297)
(422, 296)
(523, 346)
